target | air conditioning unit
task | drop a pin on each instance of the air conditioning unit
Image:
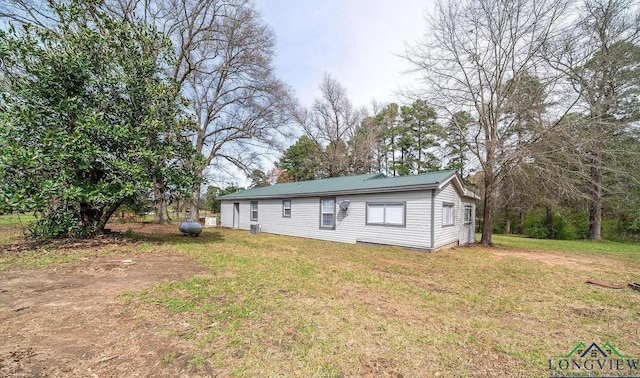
(255, 228)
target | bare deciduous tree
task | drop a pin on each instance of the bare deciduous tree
(224, 66)
(365, 147)
(27, 12)
(331, 122)
(225, 55)
(472, 49)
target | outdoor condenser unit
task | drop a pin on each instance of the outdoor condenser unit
(255, 228)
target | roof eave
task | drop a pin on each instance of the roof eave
(459, 185)
(405, 188)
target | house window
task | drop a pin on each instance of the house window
(447, 214)
(387, 214)
(254, 210)
(286, 208)
(328, 213)
(468, 214)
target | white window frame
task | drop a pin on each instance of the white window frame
(448, 214)
(252, 210)
(323, 212)
(386, 214)
(285, 208)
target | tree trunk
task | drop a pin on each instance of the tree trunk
(550, 233)
(106, 214)
(419, 168)
(89, 215)
(622, 220)
(194, 204)
(161, 215)
(521, 228)
(487, 213)
(595, 205)
(507, 225)
(393, 155)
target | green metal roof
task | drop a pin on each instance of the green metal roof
(370, 183)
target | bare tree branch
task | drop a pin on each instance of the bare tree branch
(471, 52)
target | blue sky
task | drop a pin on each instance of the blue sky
(356, 41)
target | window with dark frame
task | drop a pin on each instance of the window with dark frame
(468, 214)
(386, 214)
(448, 214)
(254, 210)
(328, 213)
(286, 208)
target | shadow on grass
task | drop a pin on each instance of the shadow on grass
(206, 237)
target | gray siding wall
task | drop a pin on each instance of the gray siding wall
(459, 232)
(446, 234)
(416, 232)
(351, 225)
(226, 214)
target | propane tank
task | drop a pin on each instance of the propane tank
(190, 228)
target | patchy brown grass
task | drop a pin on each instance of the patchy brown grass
(233, 304)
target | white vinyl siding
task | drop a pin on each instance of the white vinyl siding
(445, 235)
(387, 214)
(350, 224)
(226, 213)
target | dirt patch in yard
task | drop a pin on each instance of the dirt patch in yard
(553, 259)
(146, 229)
(68, 320)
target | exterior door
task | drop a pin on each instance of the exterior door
(466, 235)
(236, 215)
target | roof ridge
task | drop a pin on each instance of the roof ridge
(448, 172)
(333, 178)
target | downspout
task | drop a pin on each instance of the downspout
(433, 217)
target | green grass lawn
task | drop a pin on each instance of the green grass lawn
(628, 250)
(283, 306)
(16, 220)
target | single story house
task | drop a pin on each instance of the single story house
(426, 211)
